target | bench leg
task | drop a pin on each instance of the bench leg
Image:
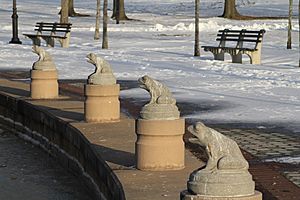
(36, 41)
(64, 42)
(49, 41)
(237, 58)
(255, 58)
(219, 56)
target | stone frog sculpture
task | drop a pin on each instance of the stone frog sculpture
(223, 153)
(162, 105)
(226, 171)
(103, 74)
(159, 93)
(45, 60)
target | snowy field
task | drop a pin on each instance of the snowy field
(159, 43)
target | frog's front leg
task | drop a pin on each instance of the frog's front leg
(212, 162)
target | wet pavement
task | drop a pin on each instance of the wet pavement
(27, 172)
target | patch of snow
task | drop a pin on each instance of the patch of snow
(160, 44)
(287, 159)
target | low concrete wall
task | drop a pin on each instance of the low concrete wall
(64, 142)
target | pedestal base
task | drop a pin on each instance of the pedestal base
(102, 103)
(185, 195)
(160, 145)
(43, 84)
(226, 182)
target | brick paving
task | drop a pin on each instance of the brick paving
(265, 145)
(268, 146)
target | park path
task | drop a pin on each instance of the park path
(277, 181)
(28, 173)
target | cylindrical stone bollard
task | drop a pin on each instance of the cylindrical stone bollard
(43, 84)
(159, 144)
(102, 103)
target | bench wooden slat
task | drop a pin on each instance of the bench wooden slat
(51, 30)
(29, 34)
(62, 27)
(54, 36)
(57, 26)
(53, 23)
(214, 47)
(237, 40)
(237, 35)
(242, 49)
(238, 31)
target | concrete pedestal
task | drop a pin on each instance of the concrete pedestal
(43, 84)
(221, 183)
(185, 195)
(159, 145)
(102, 103)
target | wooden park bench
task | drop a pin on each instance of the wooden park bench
(51, 32)
(237, 43)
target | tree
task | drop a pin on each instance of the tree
(230, 10)
(105, 18)
(119, 10)
(64, 11)
(299, 30)
(289, 40)
(196, 48)
(97, 27)
(71, 10)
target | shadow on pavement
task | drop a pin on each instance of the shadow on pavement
(15, 91)
(118, 157)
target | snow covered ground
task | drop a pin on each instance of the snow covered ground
(159, 43)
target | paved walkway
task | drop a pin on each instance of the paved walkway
(264, 144)
(270, 147)
(28, 173)
(258, 145)
(115, 142)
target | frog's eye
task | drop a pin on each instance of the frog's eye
(198, 126)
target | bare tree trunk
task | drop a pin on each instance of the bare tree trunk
(299, 27)
(230, 10)
(72, 12)
(97, 26)
(289, 40)
(119, 10)
(64, 11)
(105, 18)
(196, 49)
